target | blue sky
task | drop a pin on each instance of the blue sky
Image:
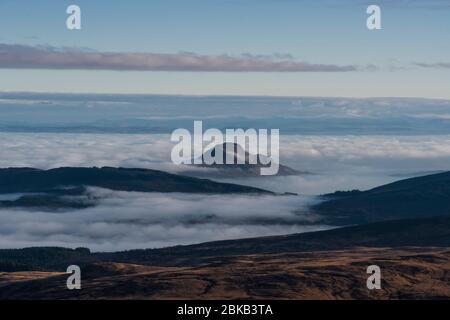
(408, 57)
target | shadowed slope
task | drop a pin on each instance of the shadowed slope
(419, 197)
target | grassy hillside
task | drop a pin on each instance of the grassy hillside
(407, 273)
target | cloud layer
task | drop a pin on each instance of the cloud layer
(125, 220)
(128, 220)
(45, 57)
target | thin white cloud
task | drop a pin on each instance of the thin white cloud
(46, 57)
(435, 65)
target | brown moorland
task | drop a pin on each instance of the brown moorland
(407, 273)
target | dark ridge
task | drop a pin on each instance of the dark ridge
(29, 180)
(418, 197)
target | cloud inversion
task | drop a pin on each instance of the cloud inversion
(130, 220)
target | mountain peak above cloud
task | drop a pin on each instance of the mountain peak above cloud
(241, 166)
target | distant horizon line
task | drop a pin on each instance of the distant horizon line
(217, 95)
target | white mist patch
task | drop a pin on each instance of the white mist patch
(130, 220)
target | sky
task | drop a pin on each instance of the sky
(227, 47)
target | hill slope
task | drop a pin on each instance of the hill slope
(419, 197)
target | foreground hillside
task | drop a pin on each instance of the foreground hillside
(408, 273)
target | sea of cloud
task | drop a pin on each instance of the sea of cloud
(129, 220)
(124, 220)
